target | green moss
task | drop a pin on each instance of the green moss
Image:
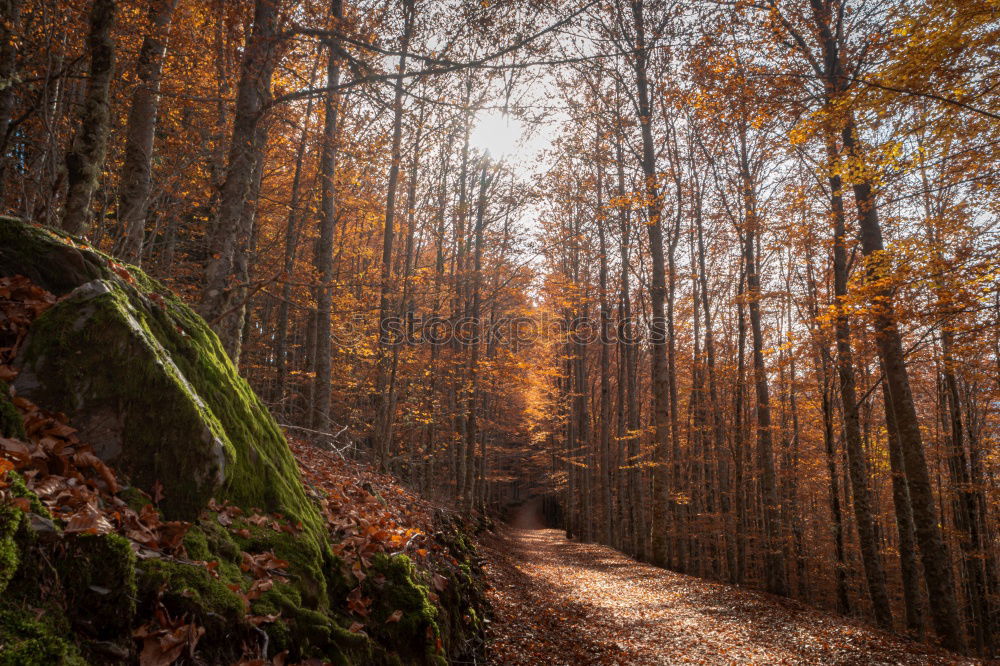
(47, 257)
(462, 598)
(99, 581)
(196, 545)
(306, 632)
(18, 489)
(190, 589)
(134, 498)
(29, 640)
(10, 520)
(11, 424)
(413, 636)
(33, 629)
(306, 563)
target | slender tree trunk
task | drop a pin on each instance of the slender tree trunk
(222, 277)
(829, 445)
(606, 479)
(568, 382)
(863, 513)
(912, 594)
(937, 571)
(234, 321)
(384, 390)
(436, 346)
(774, 565)
(474, 342)
(458, 306)
(85, 159)
(739, 434)
(10, 22)
(322, 356)
(965, 509)
(628, 357)
(660, 372)
(135, 176)
(295, 216)
(583, 452)
(722, 474)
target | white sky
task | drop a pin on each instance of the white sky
(508, 138)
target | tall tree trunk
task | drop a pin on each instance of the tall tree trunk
(295, 216)
(857, 467)
(221, 276)
(660, 371)
(474, 342)
(85, 159)
(583, 452)
(135, 176)
(965, 507)
(323, 261)
(912, 594)
(722, 474)
(437, 372)
(606, 480)
(628, 358)
(384, 389)
(774, 559)
(234, 320)
(739, 434)
(458, 297)
(829, 445)
(937, 569)
(10, 22)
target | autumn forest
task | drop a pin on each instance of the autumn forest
(715, 285)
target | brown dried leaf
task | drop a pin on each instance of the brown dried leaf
(88, 520)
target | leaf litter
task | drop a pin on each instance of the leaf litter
(564, 602)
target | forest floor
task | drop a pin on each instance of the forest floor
(562, 602)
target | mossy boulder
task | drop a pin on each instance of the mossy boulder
(28, 638)
(96, 357)
(147, 383)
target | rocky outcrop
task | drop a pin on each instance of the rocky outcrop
(144, 379)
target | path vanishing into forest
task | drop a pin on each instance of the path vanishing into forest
(562, 602)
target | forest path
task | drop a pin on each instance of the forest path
(563, 602)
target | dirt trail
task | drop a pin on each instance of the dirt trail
(562, 602)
